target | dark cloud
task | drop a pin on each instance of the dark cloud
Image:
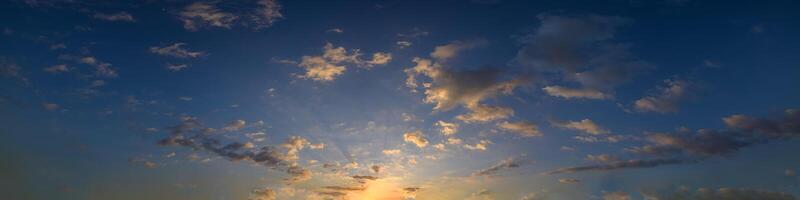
(786, 126)
(366, 177)
(692, 147)
(513, 162)
(743, 131)
(621, 165)
(580, 48)
(263, 194)
(722, 193)
(191, 133)
(207, 14)
(667, 99)
(343, 188)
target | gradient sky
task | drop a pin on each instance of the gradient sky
(440, 100)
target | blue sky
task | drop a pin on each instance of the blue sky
(483, 99)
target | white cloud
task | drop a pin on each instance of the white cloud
(448, 51)
(416, 137)
(585, 125)
(484, 113)
(482, 145)
(335, 30)
(331, 63)
(404, 44)
(446, 128)
(524, 128)
(391, 152)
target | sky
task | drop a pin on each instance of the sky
(399, 100)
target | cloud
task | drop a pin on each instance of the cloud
(58, 46)
(448, 51)
(531, 196)
(446, 128)
(785, 126)
(509, 163)
(380, 59)
(703, 142)
(404, 44)
(142, 162)
(331, 63)
(602, 158)
(523, 128)
(293, 145)
(120, 16)
(11, 70)
(483, 194)
(619, 195)
(449, 88)
(202, 14)
(416, 138)
(721, 193)
(234, 125)
(621, 165)
(580, 48)
(263, 194)
(482, 145)
(318, 69)
(102, 69)
(585, 125)
(98, 83)
(317, 146)
(790, 172)
(267, 12)
(176, 67)
(414, 33)
(372, 178)
(568, 181)
(176, 50)
(391, 152)
(668, 98)
(411, 192)
(50, 106)
(335, 30)
(569, 93)
(743, 131)
(191, 133)
(484, 113)
(55, 69)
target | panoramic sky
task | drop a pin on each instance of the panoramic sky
(399, 100)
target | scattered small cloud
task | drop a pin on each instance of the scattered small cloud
(119, 16)
(176, 50)
(523, 128)
(416, 137)
(509, 163)
(335, 30)
(585, 125)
